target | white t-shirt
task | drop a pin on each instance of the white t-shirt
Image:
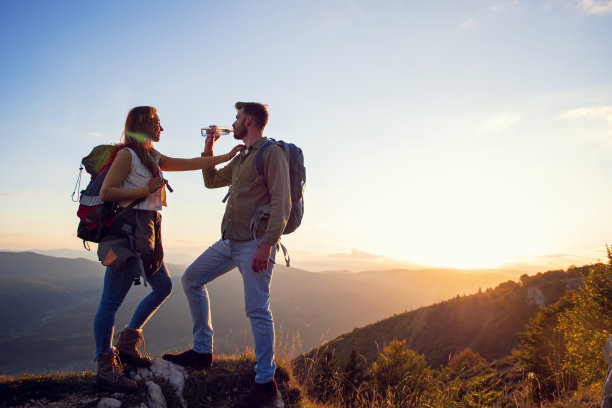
(139, 176)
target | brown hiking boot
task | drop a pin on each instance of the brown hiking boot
(128, 343)
(110, 374)
(260, 394)
(191, 359)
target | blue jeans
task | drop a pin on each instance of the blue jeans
(218, 259)
(116, 286)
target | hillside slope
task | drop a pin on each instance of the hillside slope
(487, 322)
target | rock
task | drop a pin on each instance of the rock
(108, 403)
(155, 399)
(142, 374)
(174, 374)
(90, 402)
(164, 370)
(535, 297)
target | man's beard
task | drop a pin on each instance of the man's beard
(240, 132)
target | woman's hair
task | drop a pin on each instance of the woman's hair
(135, 135)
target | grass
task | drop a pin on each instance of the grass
(228, 380)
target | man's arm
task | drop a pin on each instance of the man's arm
(276, 173)
(214, 178)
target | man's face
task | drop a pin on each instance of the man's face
(240, 129)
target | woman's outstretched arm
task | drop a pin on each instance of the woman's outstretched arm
(197, 163)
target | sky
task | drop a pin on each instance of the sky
(464, 134)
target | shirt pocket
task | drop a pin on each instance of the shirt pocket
(246, 174)
(142, 172)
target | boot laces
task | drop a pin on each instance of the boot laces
(138, 343)
(117, 366)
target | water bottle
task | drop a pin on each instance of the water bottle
(220, 130)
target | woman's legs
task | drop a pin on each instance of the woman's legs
(161, 286)
(116, 286)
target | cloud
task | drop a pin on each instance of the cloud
(503, 5)
(468, 24)
(594, 112)
(498, 123)
(355, 253)
(554, 256)
(13, 195)
(596, 6)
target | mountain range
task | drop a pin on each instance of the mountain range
(47, 306)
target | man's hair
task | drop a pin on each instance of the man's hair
(258, 111)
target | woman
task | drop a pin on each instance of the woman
(133, 248)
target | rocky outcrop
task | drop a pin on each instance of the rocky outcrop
(535, 296)
(162, 385)
(161, 369)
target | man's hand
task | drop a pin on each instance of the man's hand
(212, 135)
(262, 257)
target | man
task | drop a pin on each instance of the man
(237, 247)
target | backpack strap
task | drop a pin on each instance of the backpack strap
(259, 160)
(285, 252)
(77, 186)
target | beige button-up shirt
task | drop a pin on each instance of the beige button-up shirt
(248, 193)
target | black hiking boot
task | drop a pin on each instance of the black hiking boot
(260, 394)
(191, 359)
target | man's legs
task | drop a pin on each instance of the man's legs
(257, 307)
(214, 262)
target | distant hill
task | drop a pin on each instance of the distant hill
(47, 304)
(487, 322)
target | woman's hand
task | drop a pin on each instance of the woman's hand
(232, 153)
(235, 150)
(155, 183)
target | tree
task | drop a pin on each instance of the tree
(542, 350)
(353, 375)
(466, 360)
(587, 326)
(400, 373)
(562, 344)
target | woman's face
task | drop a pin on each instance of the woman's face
(154, 128)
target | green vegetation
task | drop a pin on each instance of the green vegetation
(535, 343)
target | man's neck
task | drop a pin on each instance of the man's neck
(251, 138)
